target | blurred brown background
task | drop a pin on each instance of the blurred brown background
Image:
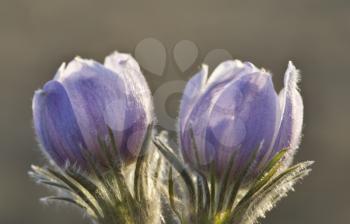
(37, 35)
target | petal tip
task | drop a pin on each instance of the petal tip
(120, 58)
(38, 92)
(204, 67)
(292, 76)
(116, 61)
(60, 71)
(81, 61)
(75, 66)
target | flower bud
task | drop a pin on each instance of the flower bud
(237, 111)
(87, 99)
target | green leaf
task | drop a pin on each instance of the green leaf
(79, 190)
(139, 172)
(250, 209)
(203, 193)
(180, 168)
(212, 189)
(65, 199)
(172, 195)
(266, 175)
(240, 179)
(224, 182)
(83, 180)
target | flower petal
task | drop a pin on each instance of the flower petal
(56, 125)
(102, 99)
(191, 92)
(98, 99)
(126, 67)
(235, 102)
(230, 70)
(289, 133)
(247, 110)
(139, 108)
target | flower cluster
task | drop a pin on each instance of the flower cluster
(233, 131)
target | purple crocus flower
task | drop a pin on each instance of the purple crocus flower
(85, 98)
(237, 110)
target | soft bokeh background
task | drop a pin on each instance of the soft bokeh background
(37, 35)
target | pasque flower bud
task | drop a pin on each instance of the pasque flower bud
(87, 99)
(237, 110)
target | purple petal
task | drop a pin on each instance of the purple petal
(98, 99)
(245, 113)
(221, 118)
(230, 70)
(292, 107)
(201, 104)
(191, 92)
(139, 108)
(56, 125)
(101, 98)
(126, 67)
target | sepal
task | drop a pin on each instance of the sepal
(117, 195)
(225, 200)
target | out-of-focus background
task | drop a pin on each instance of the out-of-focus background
(37, 35)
